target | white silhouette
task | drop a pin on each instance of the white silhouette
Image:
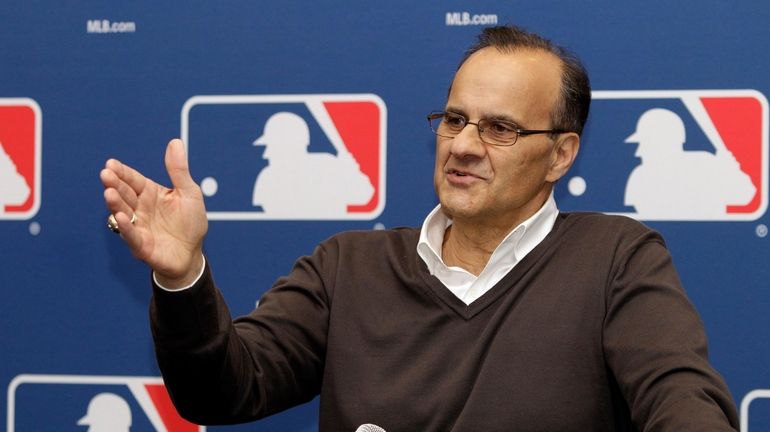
(673, 183)
(297, 183)
(14, 189)
(107, 412)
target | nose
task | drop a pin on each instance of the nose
(468, 143)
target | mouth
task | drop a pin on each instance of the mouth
(462, 176)
(453, 171)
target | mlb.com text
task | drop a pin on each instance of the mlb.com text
(467, 19)
(107, 26)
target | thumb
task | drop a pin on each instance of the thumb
(177, 167)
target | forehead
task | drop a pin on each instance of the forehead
(523, 84)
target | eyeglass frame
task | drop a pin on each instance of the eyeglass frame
(435, 115)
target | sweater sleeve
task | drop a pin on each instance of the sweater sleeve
(220, 371)
(655, 345)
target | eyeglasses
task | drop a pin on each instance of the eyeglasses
(493, 132)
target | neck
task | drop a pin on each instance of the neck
(467, 248)
(469, 244)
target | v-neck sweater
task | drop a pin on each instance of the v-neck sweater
(514, 246)
(591, 331)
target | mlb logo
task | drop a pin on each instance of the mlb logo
(92, 403)
(675, 155)
(755, 411)
(20, 156)
(288, 157)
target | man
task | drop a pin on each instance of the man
(499, 314)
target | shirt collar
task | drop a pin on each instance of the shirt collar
(517, 244)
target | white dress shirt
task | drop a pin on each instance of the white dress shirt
(515, 246)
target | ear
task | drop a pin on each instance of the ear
(564, 152)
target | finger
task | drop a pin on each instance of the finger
(109, 177)
(110, 180)
(116, 204)
(130, 233)
(177, 166)
(133, 178)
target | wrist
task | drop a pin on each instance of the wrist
(188, 279)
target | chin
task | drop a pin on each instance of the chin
(454, 209)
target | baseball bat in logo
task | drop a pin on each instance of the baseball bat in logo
(674, 155)
(100, 403)
(20, 155)
(288, 157)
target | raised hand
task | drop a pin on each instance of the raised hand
(170, 224)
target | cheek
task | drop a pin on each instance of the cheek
(442, 154)
(521, 169)
(542, 157)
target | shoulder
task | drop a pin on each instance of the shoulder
(596, 219)
(602, 228)
(366, 255)
(614, 243)
(375, 241)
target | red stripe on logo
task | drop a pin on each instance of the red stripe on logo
(358, 124)
(739, 122)
(17, 135)
(168, 414)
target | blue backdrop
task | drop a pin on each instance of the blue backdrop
(91, 80)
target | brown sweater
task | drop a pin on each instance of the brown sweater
(591, 331)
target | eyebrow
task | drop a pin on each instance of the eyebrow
(500, 117)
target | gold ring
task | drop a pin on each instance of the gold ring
(112, 223)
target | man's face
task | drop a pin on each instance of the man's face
(494, 185)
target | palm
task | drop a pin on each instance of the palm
(176, 226)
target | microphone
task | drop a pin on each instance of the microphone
(370, 428)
